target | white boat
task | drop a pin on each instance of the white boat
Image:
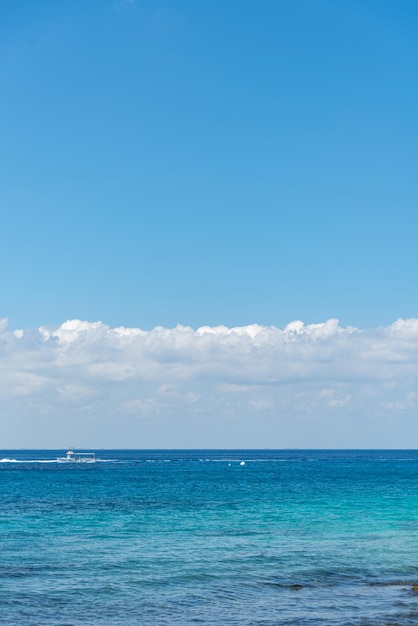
(77, 457)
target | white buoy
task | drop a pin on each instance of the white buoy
(242, 463)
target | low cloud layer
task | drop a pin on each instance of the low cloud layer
(316, 385)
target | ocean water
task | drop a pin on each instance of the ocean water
(195, 537)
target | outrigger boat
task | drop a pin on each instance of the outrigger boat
(77, 457)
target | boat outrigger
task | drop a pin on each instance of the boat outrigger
(77, 457)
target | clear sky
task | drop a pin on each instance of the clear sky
(209, 163)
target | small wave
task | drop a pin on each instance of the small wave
(41, 461)
(253, 460)
(6, 460)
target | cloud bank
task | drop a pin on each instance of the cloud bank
(318, 385)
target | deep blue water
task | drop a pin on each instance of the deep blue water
(194, 537)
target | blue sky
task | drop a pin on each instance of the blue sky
(208, 162)
(180, 182)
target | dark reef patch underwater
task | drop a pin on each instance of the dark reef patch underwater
(292, 537)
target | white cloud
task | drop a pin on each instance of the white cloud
(304, 385)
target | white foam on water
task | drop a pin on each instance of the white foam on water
(6, 460)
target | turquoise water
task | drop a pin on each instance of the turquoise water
(194, 537)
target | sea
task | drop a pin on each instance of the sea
(216, 537)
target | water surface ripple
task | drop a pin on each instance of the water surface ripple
(194, 537)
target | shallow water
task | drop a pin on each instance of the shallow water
(194, 537)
